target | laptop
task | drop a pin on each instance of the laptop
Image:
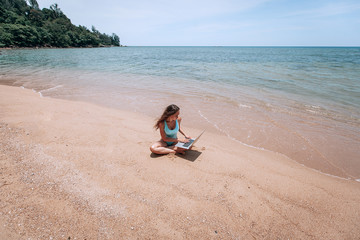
(188, 145)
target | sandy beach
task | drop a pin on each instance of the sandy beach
(74, 170)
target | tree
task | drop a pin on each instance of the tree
(115, 40)
(23, 24)
(56, 11)
(6, 38)
(36, 17)
(34, 4)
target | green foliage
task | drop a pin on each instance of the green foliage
(23, 25)
(115, 40)
(34, 4)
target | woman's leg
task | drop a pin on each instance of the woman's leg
(180, 150)
(160, 147)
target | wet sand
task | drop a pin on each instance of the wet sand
(78, 170)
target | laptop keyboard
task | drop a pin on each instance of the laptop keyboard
(188, 143)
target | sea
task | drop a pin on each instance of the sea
(302, 102)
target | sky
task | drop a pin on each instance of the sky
(219, 22)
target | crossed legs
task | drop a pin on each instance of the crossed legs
(160, 147)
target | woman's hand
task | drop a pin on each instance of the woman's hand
(185, 140)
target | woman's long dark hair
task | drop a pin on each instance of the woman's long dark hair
(170, 110)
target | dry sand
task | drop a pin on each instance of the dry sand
(80, 171)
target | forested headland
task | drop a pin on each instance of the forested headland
(24, 24)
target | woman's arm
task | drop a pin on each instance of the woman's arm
(181, 131)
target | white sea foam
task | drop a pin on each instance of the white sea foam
(37, 92)
(227, 134)
(243, 106)
(214, 124)
(52, 88)
(330, 175)
(313, 106)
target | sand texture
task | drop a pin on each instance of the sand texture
(72, 170)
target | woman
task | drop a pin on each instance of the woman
(169, 125)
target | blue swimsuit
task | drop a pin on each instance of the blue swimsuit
(171, 133)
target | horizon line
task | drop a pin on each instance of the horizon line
(340, 46)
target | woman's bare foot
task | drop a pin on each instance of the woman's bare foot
(180, 151)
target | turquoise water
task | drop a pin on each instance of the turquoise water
(299, 101)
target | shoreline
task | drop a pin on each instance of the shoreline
(35, 48)
(314, 131)
(74, 169)
(217, 132)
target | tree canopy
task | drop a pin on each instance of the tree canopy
(23, 24)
